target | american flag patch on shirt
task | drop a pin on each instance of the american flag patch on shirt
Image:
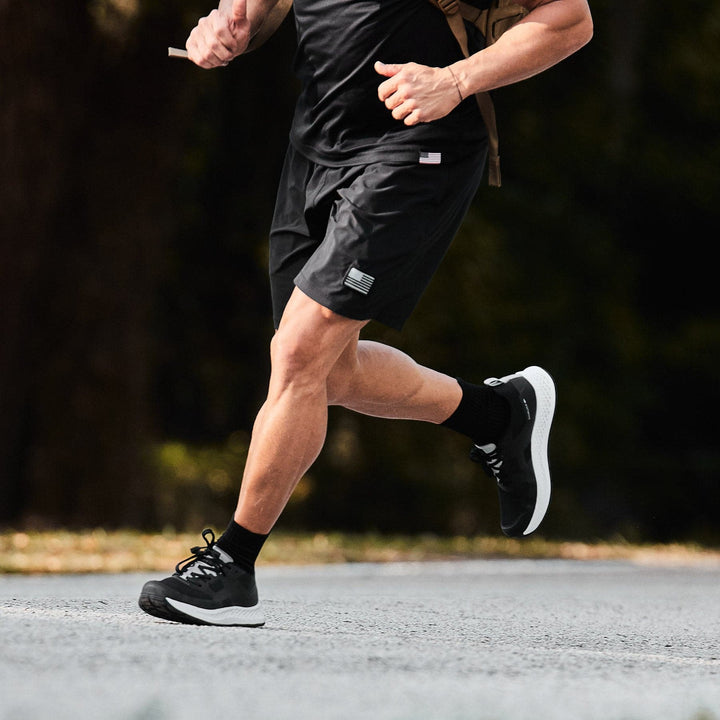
(430, 158)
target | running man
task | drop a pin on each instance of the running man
(386, 153)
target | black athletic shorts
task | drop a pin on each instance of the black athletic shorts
(364, 241)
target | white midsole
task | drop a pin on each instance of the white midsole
(545, 408)
(233, 615)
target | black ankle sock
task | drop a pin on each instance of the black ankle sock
(242, 545)
(482, 414)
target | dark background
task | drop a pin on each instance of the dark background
(135, 197)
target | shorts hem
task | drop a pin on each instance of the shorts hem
(314, 293)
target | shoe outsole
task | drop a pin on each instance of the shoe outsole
(162, 607)
(158, 607)
(544, 388)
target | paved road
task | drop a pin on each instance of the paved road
(480, 640)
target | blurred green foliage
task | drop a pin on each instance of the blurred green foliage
(137, 195)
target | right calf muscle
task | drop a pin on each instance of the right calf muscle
(383, 381)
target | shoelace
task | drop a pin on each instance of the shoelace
(204, 561)
(489, 458)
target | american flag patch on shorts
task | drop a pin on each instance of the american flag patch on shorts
(358, 280)
(430, 158)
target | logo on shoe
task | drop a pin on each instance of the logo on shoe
(527, 409)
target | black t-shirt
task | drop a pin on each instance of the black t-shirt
(339, 119)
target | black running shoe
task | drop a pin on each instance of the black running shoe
(207, 588)
(519, 461)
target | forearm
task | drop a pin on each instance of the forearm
(257, 11)
(552, 31)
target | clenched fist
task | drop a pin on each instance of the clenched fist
(221, 36)
(417, 93)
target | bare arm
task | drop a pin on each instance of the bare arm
(225, 32)
(552, 30)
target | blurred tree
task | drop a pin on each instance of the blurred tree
(86, 130)
(41, 106)
(214, 302)
(137, 193)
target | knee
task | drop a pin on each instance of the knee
(311, 344)
(293, 358)
(303, 364)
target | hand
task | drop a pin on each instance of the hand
(417, 93)
(221, 36)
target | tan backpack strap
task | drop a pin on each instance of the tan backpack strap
(495, 20)
(454, 17)
(487, 110)
(451, 10)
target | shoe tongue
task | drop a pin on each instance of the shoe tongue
(490, 447)
(222, 554)
(200, 567)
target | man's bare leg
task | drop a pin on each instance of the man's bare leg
(290, 428)
(317, 360)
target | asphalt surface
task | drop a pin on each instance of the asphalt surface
(482, 640)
